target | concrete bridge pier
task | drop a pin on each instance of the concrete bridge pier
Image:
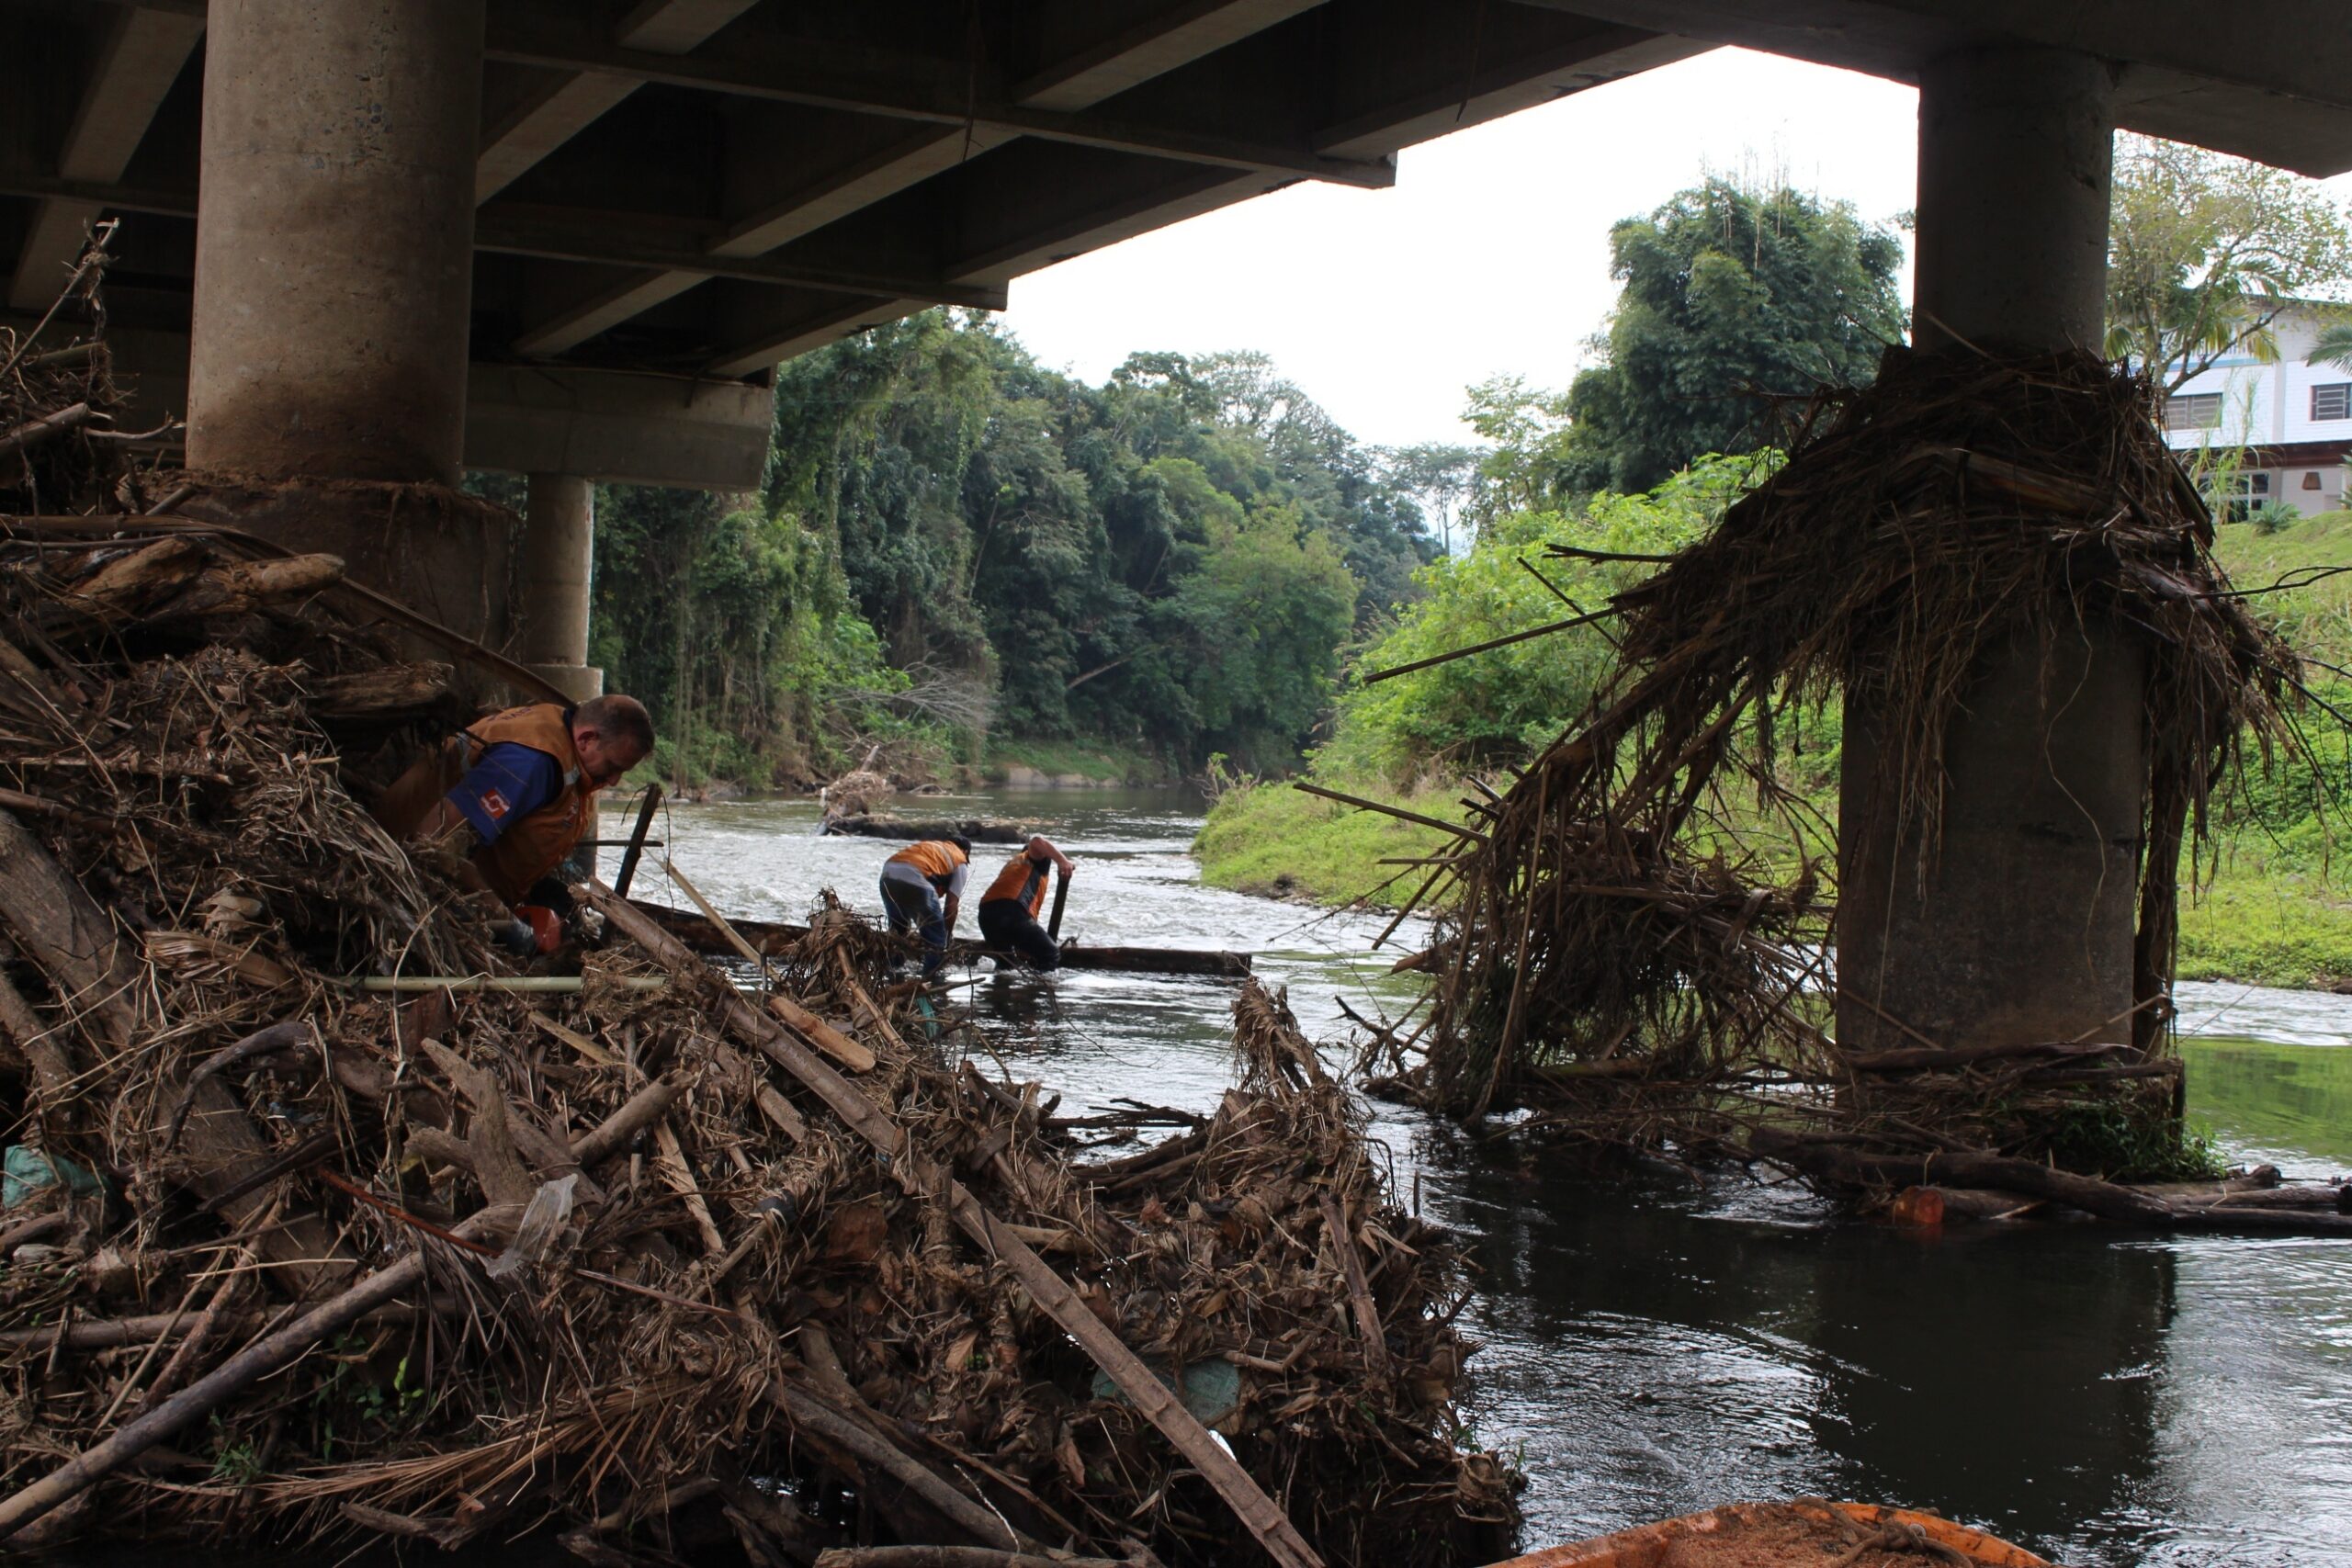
(2022, 929)
(559, 539)
(333, 273)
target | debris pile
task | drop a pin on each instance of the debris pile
(322, 1222)
(1617, 949)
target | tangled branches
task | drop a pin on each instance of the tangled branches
(1610, 923)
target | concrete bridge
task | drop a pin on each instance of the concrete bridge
(384, 241)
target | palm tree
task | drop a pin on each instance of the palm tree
(2333, 346)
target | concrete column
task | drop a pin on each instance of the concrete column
(334, 238)
(559, 539)
(2016, 154)
(2020, 928)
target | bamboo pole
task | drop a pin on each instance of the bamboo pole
(1397, 811)
(1487, 647)
(529, 985)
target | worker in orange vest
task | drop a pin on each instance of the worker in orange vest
(922, 886)
(1009, 908)
(505, 802)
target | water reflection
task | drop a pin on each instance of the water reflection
(2109, 1399)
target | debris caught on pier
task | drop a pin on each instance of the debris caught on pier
(1610, 946)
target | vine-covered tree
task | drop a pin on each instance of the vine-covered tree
(1733, 298)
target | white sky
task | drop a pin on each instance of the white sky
(1489, 256)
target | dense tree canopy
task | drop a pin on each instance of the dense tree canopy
(953, 537)
(1733, 298)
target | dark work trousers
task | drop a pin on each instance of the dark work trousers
(1007, 923)
(917, 904)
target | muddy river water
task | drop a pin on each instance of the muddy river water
(2105, 1397)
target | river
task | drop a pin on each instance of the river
(2106, 1398)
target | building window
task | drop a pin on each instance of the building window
(2203, 411)
(2311, 479)
(2240, 493)
(2332, 399)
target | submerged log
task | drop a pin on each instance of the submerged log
(1843, 1166)
(980, 830)
(770, 939)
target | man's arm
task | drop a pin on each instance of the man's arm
(1039, 843)
(954, 902)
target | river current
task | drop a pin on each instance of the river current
(2106, 1398)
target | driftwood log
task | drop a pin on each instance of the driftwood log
(980, 830)
(1839, 1165)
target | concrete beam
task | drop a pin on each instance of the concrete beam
(1172, 37)
(1030, 206)
(144, 53)
(567, 242)
(516, 40)
(620, 426)
(617, 241)
(1168, 40)
(2270, 80)
(572, 101)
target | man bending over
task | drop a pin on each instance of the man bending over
(504, 802)
(1009, 908)
(922, 886)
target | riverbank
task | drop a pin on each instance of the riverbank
(1071, 764)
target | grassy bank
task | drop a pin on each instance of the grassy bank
(1273, 839)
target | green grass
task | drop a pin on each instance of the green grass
(1272, 838)
(2317, 618)
(2262, 923)
(1098, 761)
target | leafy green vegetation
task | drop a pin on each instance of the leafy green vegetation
(2204, 250)
(955, 544)
(1734, 297)
(1087, 759)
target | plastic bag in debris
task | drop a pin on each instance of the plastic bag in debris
(543, 1220)
(25, 1171)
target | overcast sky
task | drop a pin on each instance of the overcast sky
(1489, 256)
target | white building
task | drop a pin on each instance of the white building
(2292, 418)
